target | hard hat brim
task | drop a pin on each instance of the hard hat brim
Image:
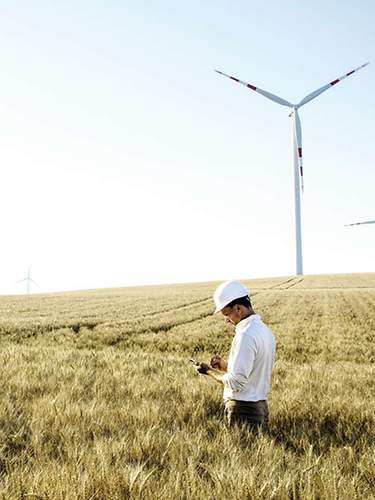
(218, 309)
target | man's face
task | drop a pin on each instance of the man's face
(232, 314)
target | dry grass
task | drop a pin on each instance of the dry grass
(98, 400)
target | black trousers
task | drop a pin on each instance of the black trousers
(253, 414)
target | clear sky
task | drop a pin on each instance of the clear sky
(125, 159)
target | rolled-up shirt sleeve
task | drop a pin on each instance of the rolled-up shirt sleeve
(242, 362)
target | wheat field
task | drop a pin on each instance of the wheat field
(98, 400)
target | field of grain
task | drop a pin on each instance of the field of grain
(98, 400)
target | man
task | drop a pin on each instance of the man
(246, 376)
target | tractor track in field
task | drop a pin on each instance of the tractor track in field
(165, 328)
(290, 282)
(177, 308)
(202, 301)
(291, 285)
(284, 282)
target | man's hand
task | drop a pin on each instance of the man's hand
(202, 368)
(219, 363)
(206, 369)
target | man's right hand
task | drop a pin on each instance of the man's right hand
(219, 363)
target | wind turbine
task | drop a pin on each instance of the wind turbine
(297, 145)
(360, 223)
(28, 279)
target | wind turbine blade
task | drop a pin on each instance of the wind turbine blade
(270, 96)
(24, 279)
(317, 92)
(360, 223)
(298, 143)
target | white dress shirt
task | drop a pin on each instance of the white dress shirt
(250, 361)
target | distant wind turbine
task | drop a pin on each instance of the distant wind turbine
(28, 280)
(360, 223)
(297, 146)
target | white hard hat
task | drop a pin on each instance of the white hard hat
(228, 291)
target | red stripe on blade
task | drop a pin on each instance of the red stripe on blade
(350, 73)
(300, 152)
(301, 171)
(251, 86)
(334, 82)
(235, 79)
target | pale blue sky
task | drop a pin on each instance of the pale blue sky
(127, 160)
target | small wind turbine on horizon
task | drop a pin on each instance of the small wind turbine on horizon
(360, 223)
(297, 146)
(28, 280)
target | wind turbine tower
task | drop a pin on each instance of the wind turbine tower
(297, 146)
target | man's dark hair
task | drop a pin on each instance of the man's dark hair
(242, 301)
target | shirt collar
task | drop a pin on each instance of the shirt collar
(244, 323)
